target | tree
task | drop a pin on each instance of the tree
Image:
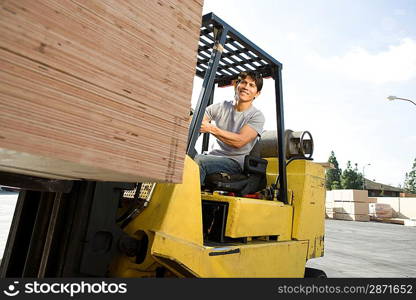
(351, 179)
(333, 176)
(410, 181)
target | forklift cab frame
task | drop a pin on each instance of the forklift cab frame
(224, 53)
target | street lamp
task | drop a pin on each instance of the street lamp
(391, 98)
(364, 175)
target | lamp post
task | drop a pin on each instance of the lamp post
(391, 98)
(364, 174)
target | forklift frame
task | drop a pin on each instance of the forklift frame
(224, 53)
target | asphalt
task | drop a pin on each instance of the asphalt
(367, 249)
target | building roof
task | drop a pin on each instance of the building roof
(372, 185)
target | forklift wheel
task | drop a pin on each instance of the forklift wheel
(314, 273)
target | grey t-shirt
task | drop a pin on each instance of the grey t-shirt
(226, 117)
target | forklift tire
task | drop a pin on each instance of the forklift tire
(314, 273)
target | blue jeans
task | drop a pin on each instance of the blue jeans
(210, 164)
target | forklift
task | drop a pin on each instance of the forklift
(268, 222)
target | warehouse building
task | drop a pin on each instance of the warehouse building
(376, 189)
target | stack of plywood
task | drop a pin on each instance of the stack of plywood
(388, 206)
(329, 205)
(99, 90)
(380, 210)
(402, 207)
(393, 210)
(410, 195)
(372, 200)
(351, 205)
(408, 208)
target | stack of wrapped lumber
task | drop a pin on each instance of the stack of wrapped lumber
(380, 210)
(351, 205)
(385, 207)
(329, 205)
(408, 208)
(402, 207)
(97, 90)
(372, 200)
(395, 210)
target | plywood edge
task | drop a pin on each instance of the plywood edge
(34, 165)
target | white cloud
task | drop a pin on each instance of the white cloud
(396, 64)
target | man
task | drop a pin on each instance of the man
(237, 126)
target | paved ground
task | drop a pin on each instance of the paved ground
(352, 249)
(368, 249)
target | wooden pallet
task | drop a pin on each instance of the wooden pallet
(406, 222)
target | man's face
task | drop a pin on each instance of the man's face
(247, 89)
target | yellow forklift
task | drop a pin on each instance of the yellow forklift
(267, 222)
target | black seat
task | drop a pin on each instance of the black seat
(299, 145)
(253, 178)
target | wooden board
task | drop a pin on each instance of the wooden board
(400, 221)
(97, 90)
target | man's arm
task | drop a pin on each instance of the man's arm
(236, 140)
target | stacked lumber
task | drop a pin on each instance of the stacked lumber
(402, 207)
(329, 205)
(380, 210)
(408, 208)
(396, 210)
(390, 203)
(356, 205)
(97, 90)
(351, 205)
(404, 195)
(372, 200)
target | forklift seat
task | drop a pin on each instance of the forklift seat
(253, 177)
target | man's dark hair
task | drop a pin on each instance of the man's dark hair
(258, 80)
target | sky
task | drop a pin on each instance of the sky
(341, 59)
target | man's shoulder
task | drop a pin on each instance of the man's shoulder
(224, 105)
(227, 103)
(257, 112)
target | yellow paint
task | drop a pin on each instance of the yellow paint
(254, 217)
(261, 259)
(173, 223)
(174, 209)
(306, 186)
(307, 180)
